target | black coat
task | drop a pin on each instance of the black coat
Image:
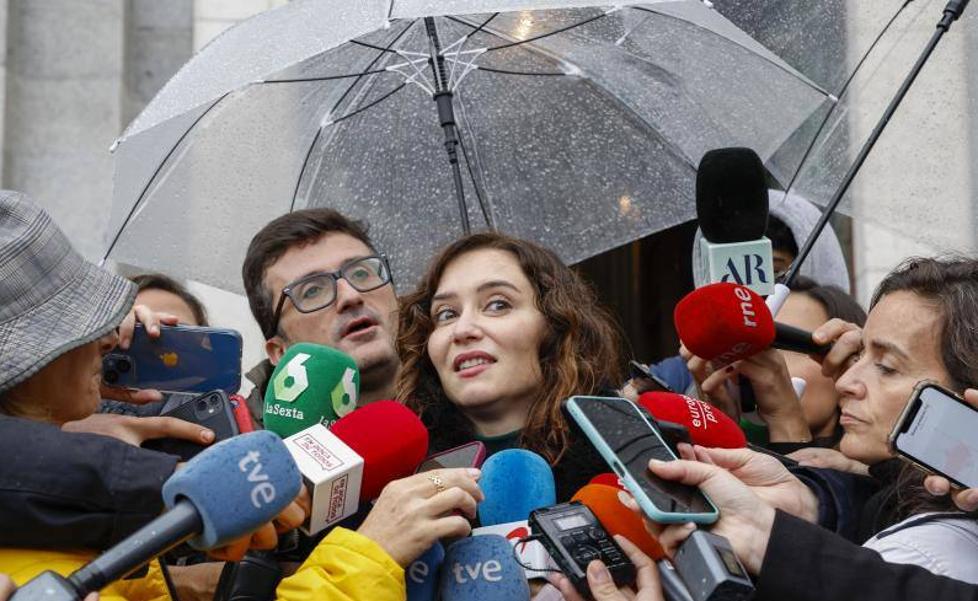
(72, 490)
(805, 562)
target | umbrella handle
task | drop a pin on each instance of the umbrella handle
(951, 13)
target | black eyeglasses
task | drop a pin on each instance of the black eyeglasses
(318, 290)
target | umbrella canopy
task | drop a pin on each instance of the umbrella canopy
(579, 127)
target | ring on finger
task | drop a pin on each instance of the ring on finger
(439, 485)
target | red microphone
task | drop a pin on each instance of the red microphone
(391, 439)
(617, 519)
(608, 479)
(707, 425)
(726, 322)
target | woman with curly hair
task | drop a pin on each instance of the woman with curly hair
(497, 335)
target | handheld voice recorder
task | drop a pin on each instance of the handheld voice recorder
(574, 538)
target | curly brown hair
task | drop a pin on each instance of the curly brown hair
(581, 352)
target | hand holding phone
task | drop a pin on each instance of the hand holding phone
(212, 410)
(471, 454)
(627, 441)
(180, 359)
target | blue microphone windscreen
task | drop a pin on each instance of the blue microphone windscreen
(421, 577)
(236, 486)
(515, 482)
(483, 567)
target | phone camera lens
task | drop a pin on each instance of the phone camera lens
(110, 376)
(123, 364)
(202, 405)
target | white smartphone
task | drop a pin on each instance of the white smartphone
(936, 431)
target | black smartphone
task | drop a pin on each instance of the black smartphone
(648, 380)
(212, 410)
(936, 431)
(467, 455)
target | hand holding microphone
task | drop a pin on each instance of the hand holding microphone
(414, 512)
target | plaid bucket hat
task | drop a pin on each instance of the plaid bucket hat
(51, 299)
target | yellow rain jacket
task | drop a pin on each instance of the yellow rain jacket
(24, 564)
(344, 566)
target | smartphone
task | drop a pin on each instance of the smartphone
(936, 431)
(650, 381)
(212, 410)
(183, 359)
(627, 440)
(468, 455)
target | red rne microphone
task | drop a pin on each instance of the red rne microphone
(390, 438)
(707, 425)
(726, 322)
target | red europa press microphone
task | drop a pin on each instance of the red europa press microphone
(353, 460)
(389, 437)
(726, 322)
(707, 425)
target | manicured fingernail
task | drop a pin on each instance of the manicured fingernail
(207, 435)
(624, 498)
(599, 573)
(474, 472)
(689, 526)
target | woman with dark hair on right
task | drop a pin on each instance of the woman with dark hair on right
(923, 325)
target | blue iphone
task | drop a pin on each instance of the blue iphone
(627, 441)
(182, 359)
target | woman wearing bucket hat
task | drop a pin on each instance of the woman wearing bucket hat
(58, 315)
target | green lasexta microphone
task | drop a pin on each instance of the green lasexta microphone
(311, 384)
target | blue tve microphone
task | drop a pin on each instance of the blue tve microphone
(482, 567)
(515, 482)
(421, 577)
(223, 493)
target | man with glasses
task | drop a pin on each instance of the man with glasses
(314, 276)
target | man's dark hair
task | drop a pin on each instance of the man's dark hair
(275, 239)
(781, 236)
(158, 281)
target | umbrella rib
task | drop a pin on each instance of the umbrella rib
(842, 92)
(486, 214)
(325, 78)
(465, 40)
(305, 161)
(510, 72)
(368, 106)
(159, 168)
(782, 67)
(549, 33)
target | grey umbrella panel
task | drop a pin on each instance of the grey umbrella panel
(581, 141)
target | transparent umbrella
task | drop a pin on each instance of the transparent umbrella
(913, 195)
(578, 127)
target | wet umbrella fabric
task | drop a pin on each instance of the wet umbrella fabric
(579, 128)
